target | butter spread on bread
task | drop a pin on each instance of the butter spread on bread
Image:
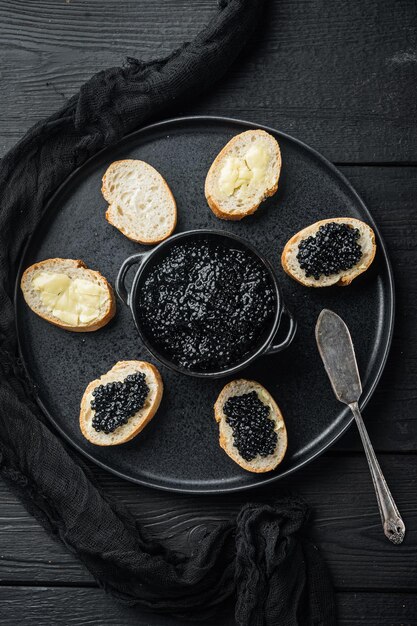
(68, 294)
(244, 173)
(75, 301)
(238, 173)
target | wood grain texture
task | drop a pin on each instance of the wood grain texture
(346, 524)
(44, 606)
(333, 74)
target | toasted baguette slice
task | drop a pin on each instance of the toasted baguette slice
(247, 198)
(366, 241)
(73, 269)
(258, 464)
(141, 204)
(137, 422)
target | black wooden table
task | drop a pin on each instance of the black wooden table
(341, 76)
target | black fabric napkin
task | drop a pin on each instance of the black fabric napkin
(278, 577)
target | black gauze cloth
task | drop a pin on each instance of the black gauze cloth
(261, 557)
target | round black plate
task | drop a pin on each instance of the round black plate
(179, 449)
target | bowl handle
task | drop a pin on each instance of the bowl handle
(273, 348)
(120, 285)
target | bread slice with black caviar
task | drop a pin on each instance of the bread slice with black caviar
(366, 241)
(137, 422)
(259, 463)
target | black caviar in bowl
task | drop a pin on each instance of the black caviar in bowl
(205, 303)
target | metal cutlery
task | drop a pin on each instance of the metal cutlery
(337, 352)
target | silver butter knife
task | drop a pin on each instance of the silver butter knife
(336, 349)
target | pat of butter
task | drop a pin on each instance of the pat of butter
(238, 173)
(74, 301)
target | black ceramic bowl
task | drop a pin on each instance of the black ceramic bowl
(146, 260)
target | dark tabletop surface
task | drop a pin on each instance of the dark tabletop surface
(342, 77)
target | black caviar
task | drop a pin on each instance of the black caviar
(113, 404)
(334, 248)
(205, 305)
(253, 430)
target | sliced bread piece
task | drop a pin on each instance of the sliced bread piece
(243, 174)
(136, 422)
(141, 204)
(67, 294)
(226, 438)
(366, 242)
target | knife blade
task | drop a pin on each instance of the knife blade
(338, 354)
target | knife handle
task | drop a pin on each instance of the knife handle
(394, 527)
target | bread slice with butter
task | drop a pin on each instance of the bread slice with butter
(141, 204)
(67, 294)
(243, 174)
(259, 463)
(366, 241)
(137, 422)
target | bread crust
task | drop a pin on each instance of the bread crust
(108, 197)
(270, 191)
(78, 264)
(231, 451)
(344, 280)
(84, 408)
